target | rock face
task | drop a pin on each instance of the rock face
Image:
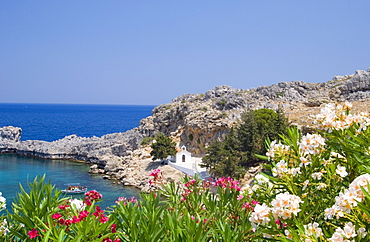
(193, 120)
(196, 120)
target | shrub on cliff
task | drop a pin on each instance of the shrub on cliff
(256, 127)
(163, 147)
(240, 146)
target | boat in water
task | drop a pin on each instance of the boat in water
(74, 188)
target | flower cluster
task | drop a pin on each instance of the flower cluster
(313, 230)
(92, 196)
(348, 232)
(66, 214)
(124, 200)
(227, 183)
(156, 174)
(260, 215)
(99, 214)
(349, 198)
(2, 202)
(281, 169)
(33, 233)
(277, 149)
(337, 117)
(4, 227)
(285, 205)
(311, 144)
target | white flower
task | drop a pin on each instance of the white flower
(4, 228)
(361, 232)
(321, 186)
(2, 202)
(77, 204)
(260, 215)
(348, 199)
(313, 229)
(261, 179)
(285, 205)
(341, 170)
(311, 144)
(305, 183)
(349, 230)
(337, 236)
(288, 234)
(317, 175)
(304, 161)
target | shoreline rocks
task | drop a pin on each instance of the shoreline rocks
(193, 120)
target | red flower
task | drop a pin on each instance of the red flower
(33, 233)
(103, 219)
(93, 195)
(83, 214)
(113, 228)
(106, 240)
(76, 220)
(64, 206)
(61, 221)
(56, 216)
(98, 212)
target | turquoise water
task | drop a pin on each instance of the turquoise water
(50, 122)
(15, 170)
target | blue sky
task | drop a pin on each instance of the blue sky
(149, 52)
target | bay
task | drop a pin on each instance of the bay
(50, 122)
(15, 170)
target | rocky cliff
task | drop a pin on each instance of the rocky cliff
(193, 120)
(196, 120)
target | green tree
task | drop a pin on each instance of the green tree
(229, 157)
(163, 147)
(223, 158)
(255, 127)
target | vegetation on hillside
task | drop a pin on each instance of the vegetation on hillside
(162, 147)
(230, 157)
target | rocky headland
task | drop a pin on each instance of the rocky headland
(193, 120)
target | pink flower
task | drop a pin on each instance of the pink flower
(83, 214)
(56, 216)
(247, 206)
(254, 202)
(76, 220)
(64, 206)
(98, 212)
(103, 219)
(93, 196)
(240, 197)
(117, 240)
(33, 233)
(155, 173)
(113, 227)
(61, 221)
(68, 222)
(106, 240)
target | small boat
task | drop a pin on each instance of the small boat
(74, 188)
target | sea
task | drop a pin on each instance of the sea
(50, 122)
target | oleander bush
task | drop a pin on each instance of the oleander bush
(315, 187)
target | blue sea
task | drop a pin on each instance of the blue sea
(51, 122)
